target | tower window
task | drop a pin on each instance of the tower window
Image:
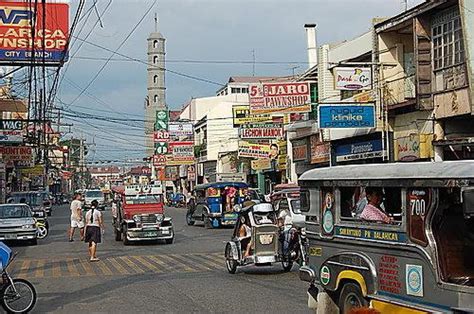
(155, 59)
(155, 98)
(155, 79)
(155, 44)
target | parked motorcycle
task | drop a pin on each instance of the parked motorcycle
(16, 295)
(294, 247)
(41, 229)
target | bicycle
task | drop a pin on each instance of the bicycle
(16, 295)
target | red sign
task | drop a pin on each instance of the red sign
(300, 150)
(16, 153)
(159, 160)
(49, 39)
(320, 151)
(280, 98)
(161, 136)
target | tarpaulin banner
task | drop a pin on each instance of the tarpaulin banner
(279, 97)
(261, 131)
(180, 129)
(253, 150)
(182, 153)
(45, 41)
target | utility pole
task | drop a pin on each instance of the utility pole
(253, 62)
(81, 162)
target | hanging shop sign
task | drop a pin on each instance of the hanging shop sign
(353, 78)
(17, 153)
(191, 173)
(37, 170)
(346, 116)
(49, 38)
(261, 164)
(280, 98)
(161, 136)
(319, 151)
(359, 150)
(279, 155)
(241, 115)
(11, 136)
(413, 147)
(159, 160)
(253, 150)
(300, 149)
(182, 153)
(180, 129)
(162, 120)
(171, 173)
(161, 148)
(261, 131)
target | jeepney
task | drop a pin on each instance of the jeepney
(140, 215)
(422, 261)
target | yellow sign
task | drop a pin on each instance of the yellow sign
(261, 164)
(37, 170)
(241, 115)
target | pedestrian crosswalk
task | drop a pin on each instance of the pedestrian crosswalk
(118, 265)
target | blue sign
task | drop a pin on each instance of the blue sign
(345, 117)
(359, 150)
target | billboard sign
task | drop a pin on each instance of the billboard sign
(261, 164)
(346, 116)
(182, 153)
(280, 98)
(359, 150)
(353, 78)
(162, 120)
(261, 131)
(161, 136)
(49, 41)
(253, 150)
(241, 115)
(180, 129)
(11, 136)
(159, 160)
(17, 153)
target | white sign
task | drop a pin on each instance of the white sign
(414, 280)
(353, 78)
(11, 136)
(178, 129)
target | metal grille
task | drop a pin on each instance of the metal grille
(148, 219)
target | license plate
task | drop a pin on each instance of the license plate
(10, 236)
(151, 234)
(165, 232)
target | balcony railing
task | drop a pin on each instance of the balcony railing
(399, 90)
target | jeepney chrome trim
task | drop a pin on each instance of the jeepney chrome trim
(347, 265)
(312, 223)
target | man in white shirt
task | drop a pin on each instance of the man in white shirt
(76, 217)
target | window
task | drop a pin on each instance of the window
(448, 47)
(348, 93)
(245, 90)
(304, 201)
(155, 98)
(155, 44)
(235, 90)
(155, 79)
(155, 59)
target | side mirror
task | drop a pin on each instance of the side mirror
(468, 202)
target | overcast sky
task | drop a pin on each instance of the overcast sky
(201, 30)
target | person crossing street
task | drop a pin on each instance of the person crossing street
(76, 217)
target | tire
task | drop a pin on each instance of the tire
(41, 232)
(124, 236)
(287, 265)
(34, 242)
(189, 218)
(22, 304)
(118, 235)
(230, 264)
(351, 297)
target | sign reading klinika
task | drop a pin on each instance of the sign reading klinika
(346, 116)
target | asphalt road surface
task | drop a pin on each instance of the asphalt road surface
(186, 276)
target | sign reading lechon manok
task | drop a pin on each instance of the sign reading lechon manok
(48, 36)
(261, 131)
(280, 98)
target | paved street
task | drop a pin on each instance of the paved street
(186, 276)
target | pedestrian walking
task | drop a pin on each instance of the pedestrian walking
(76, 217)
(94, 228)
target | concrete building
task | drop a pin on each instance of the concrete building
(156, 90)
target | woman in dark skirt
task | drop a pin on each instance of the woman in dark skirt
(94, 227)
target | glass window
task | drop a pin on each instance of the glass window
(143, 199)
(155, 79)
(155, 44)
(14, 211)
(448, 48)
(304, 201)
(155, 59)
(296, 206)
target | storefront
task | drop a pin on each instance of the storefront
(358, 150)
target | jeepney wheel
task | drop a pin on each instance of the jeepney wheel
(287, 265)
(118, 235)
(230, 263)
(351, 297)
(189, 218)
(124, 236)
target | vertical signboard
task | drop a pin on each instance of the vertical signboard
(49, 40)
(161, 127)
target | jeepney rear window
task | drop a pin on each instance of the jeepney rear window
(304, 201)
(354, 200)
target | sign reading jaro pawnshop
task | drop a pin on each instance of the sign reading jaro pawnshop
(261, 131)
(346, 116)
(359, 150)
(48, 36)
(353, 78)
(281, 98)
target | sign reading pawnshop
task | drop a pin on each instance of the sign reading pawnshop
(346, 116)
(30, 34)
(280, 98)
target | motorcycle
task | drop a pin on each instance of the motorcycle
(41, 229)
(16, 295)
(294, 247)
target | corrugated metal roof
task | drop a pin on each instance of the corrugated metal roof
(394, 171)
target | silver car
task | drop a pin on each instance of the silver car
(17, 223)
